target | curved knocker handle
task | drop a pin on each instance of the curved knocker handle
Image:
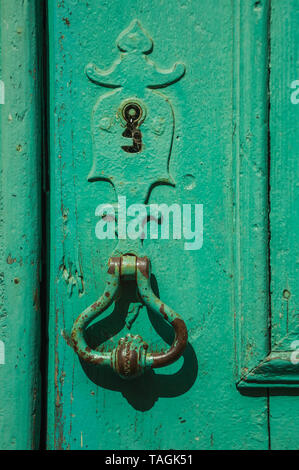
(131, 356)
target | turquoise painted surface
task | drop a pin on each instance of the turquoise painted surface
(20, 190)
(193, 404)
(284, 191)
(250, 183)
(228, 152)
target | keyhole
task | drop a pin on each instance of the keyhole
(132, 113)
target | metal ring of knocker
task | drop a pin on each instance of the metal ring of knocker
(131, 356)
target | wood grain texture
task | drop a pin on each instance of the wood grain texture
(20, 162)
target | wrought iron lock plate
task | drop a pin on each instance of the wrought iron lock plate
(133, 130)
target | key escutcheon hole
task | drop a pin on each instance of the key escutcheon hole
(132, 114)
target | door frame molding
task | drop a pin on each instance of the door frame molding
(259, 362)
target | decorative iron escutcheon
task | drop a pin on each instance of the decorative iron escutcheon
(132, 128)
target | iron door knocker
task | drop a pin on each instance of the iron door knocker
(133, 121)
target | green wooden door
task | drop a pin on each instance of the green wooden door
(20, 223)
(214, 148)
(192, 104)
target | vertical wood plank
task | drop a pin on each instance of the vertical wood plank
(284, 215)
(250, 181)
(193, 404)
(20, 179)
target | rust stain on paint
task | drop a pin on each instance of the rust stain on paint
(66, 21)
(58, 435)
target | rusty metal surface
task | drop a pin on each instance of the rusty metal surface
(132, 355)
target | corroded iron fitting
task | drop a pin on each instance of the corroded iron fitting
(132, 354)
(129, 357)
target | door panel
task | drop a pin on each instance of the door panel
(20, 224)
(284, 174)
(284, 122)
(193, 403)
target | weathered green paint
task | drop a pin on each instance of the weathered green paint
(135, 79)
(20, 185)
(225, 134)
(193, 403)
(250, 184)
(133, 171)
(284, 191)
(280, 175)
